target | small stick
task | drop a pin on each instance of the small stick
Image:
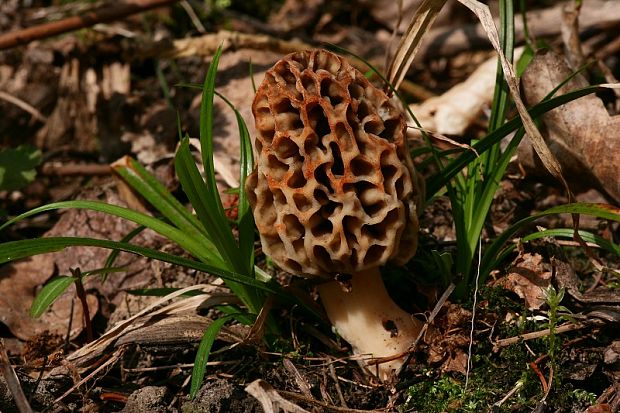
(113, 358)
(114, 11)
(442, 300)
(541, 377)
(300, 380)
(23, 106)
(65, 347)
(508, 395)
(325, 406)
(81, 293)
(39, 378)
(543, 333)
(12, 381)
(65, 169)
(332, 373)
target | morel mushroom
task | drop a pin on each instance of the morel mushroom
(334, 192)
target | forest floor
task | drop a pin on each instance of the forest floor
(79, 101)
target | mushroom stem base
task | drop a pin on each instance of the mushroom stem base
(369, 320)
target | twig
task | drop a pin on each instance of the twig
(543, 333)
(323, 405)
(180, 366)
(12, 381)
(23, 105)
(193, 16)
(81, 293)
(508, 395)
(300, 380)
(442, 300)
(332, 373)
(114, 11)
(113, 358)
(39, 378)
(65, 347)
(541, 377)
(65, 169)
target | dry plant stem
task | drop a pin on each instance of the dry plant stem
(81, 293)
(23, 105)
(12, 381)
(368, 319)
(110, 361)
(543, 333)
(102, 15)
(71, 169)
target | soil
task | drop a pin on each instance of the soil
(98, 94)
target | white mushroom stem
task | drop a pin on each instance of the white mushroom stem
(369, 320)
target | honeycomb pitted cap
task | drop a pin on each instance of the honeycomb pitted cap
(334, 189)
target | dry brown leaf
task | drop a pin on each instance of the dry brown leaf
(448, 341)
(457, 362)
(486, 19)
(582, 134)
(95, 348)
(270, 399)
(410, 43)
(527, 278)
(19, 283)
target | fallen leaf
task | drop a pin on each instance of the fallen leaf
(448, 343)
(20, 281)
(612, 353)
(527, 278)
(18, 287)
(270, 399)
(457, 362)
(581, 134)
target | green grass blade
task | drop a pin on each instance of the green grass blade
(206, 133)
(204, 350)
(491, 184)
(195, 188)
(492, 253)
(14, 250)
(435, 183)
(109, 262)
(198, 194)
(161, 199)
(49, 293)
(245, 220)
(501, 95)
(239, 316)
(568, 234)
(560, 233)
(191, 245)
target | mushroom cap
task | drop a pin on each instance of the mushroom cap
(333, 190)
